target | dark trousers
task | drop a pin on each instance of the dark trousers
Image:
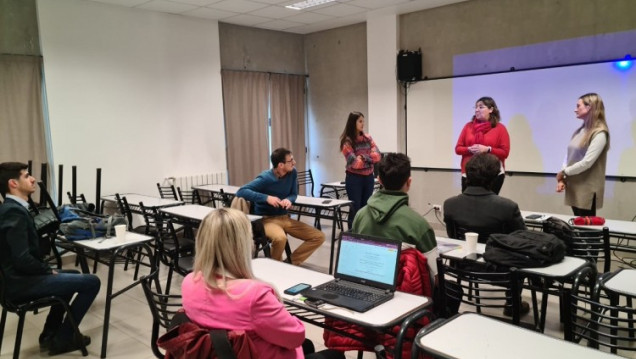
(359, 189)
(496, 184)
(581, 212)
(64, 285)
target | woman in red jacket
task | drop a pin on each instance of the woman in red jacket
(484, 133)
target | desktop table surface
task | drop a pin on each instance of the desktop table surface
(217, 188)
(103, 243)
(624, 282)
(471, 335)
(196, 212)
(283, 275)
(614, 225)
(149, 201)
(567, 267)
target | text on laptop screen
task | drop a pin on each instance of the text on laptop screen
(367, 259)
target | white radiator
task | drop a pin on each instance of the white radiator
(186, 182)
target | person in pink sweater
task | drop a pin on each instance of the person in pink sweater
(360, 153)
(223, 293)
(484, 134)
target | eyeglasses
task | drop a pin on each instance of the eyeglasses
(291, 160)
(480, 107)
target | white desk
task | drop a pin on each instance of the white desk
(283, 275)
(470, 335)
(133, 200)
(561, 272)
(117, 248)
(195, 212)
(303, 206)
(217, 188)
(339, 188)
(624, 282)
(617, 228)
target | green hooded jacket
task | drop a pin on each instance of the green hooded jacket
(388, 215)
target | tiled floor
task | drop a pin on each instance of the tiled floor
(130, 322)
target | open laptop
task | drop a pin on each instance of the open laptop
(366, 273)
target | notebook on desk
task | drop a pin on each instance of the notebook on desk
(366, 273)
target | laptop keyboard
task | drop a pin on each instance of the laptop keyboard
(355, 293)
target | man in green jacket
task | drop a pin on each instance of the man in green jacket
(387, 213)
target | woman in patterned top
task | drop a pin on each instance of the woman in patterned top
(361, 154)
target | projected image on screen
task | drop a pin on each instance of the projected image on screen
(537, 108)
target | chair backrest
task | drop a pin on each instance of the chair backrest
(590, 244)
(124, 209)
(458, 232)
(473, 283)
(4, 302)
(150, 217)
(305, 178)
(162, 306)
(192, 197)
(168, 192)
(79, 198)
(597, 316)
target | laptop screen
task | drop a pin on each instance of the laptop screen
(368, 260)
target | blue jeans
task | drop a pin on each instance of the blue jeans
(359, 189)
(64, 285)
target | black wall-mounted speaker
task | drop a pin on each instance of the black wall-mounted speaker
(409, 65)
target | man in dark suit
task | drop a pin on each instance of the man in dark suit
(27, 276)
(479, 209)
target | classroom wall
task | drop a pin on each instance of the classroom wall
(478, 26)
(251, 49)
(134, 92)
(19, 28)
(337, 68)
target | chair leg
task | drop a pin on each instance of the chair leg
(3, 321)
(18, 335)
(169, 281)
(288, 252)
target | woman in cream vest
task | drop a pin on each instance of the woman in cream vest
(583, 173)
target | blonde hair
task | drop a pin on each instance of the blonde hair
(224, 248)
(595, 120)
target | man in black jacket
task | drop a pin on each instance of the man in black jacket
(479, 209)
(27, 276)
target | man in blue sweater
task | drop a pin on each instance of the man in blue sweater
(272, 193)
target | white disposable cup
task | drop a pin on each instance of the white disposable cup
(120, 231)
(471, 242)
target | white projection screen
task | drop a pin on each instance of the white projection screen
(537, 108)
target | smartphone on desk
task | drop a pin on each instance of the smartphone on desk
(297, 288)
(534, 216)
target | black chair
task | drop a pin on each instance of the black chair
(80, 198)
(162, 306)
(168, 192)
(596, 317)
(592, 245)
(305, 178)
(31, 306)
(167, 314)
(457, 231)
(191, 197)
(176, 252)
(473, 283)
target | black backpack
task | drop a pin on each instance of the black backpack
(524, 249)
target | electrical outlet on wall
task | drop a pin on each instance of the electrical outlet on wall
(437, 207)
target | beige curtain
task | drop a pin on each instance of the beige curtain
(245, 105)
(21, 122)
(288, 115)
